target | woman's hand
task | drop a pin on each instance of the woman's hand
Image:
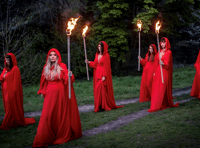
(86, 61)
(103, 78)
(4, 74)
(70, 73)
(161, 62)
(139, 57)
(42, 96)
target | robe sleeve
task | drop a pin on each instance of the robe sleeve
(93, 64)
(43, 84)
(1, 76)
(144, 61)
(166, 61)
(65, 74)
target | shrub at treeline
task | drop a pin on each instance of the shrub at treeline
(31, 28)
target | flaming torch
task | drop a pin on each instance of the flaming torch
(71, 24)
(83, 34)
(139, 24)
(158, 25)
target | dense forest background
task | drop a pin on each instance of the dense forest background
(29, 28)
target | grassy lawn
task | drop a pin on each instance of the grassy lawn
(174, 127)
(124, 88)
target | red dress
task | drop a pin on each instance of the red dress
(60, 120)
(149, 67)
(103, 90)
(195, 92)
(161, 97)
(13, 98)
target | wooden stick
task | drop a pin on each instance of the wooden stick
(69, 77)
(86, 57)
(160, 58)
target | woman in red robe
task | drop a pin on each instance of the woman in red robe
(60, 120)
(147, 76)
(102, 79)
(12, 95)
(161, 96)
(195, 92)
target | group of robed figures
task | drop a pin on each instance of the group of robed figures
(60, 120)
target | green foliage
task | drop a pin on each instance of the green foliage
(173, 15)
(112, 28)
(146, 16)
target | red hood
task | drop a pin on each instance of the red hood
(154, 48)
(105, 47)
(57, 52)
(168, 47)
(13, 57)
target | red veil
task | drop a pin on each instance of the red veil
(13, 97)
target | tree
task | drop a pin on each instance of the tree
(111, 26)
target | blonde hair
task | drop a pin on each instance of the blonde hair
(55, 72)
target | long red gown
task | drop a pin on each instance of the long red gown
(60, 120)
(149, 67)
(195, 92)
(161, 97)
(13, 98)
(103, 90)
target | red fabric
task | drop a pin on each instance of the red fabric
(60, 120)
(149, 68)
(103, 90)
(13, 98)
(195, 92)
(161, 97)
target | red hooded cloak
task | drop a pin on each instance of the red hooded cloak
(103, 90)
(60, 120)
(161, 97)
(13, 97)
(149, 67)
(195, 92)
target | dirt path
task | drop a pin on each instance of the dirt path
(121, 121)
(90, 107)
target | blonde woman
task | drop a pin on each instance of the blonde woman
(60, 120)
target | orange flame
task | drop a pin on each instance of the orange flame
(158, 25)
(139, 24)
(84, 30)
(71, 24)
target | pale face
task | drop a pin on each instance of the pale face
(100, 49)
(163, 45)
(150, 49)
(7, 61)
(53, 57)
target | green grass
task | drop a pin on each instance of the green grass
(124, 88)
(174, 127)
(145, 127)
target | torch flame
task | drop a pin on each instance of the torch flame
(71, 24)
(158, 25)
(84, 30)
(139, 24)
